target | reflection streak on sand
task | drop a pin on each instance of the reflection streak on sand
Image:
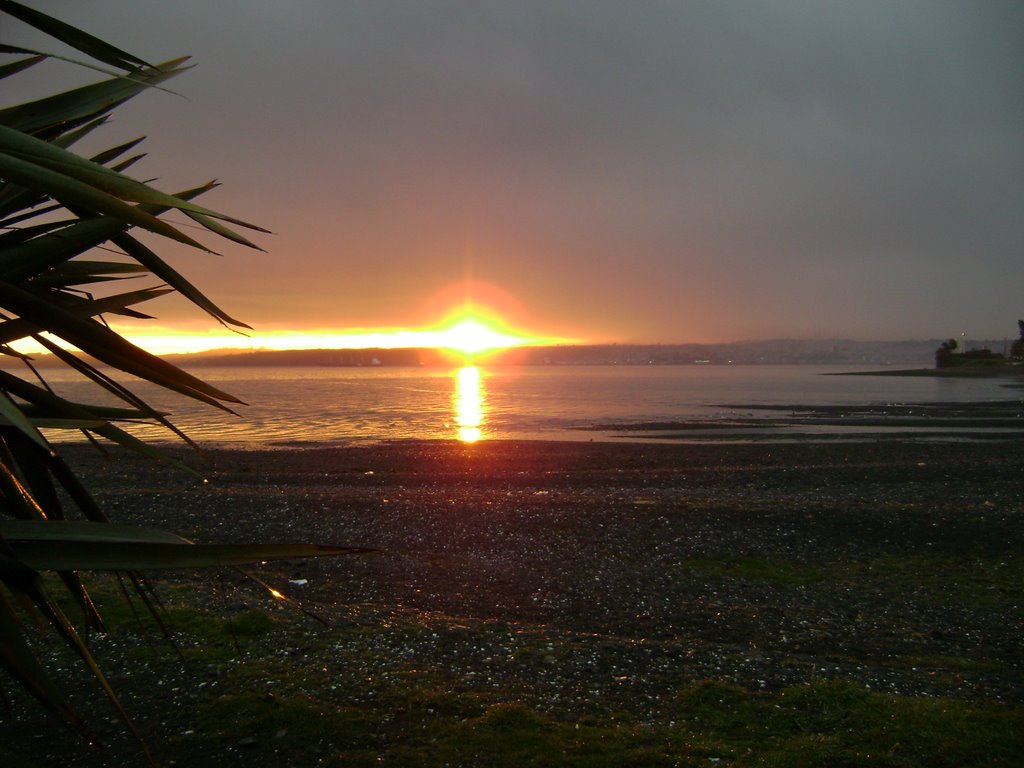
(469, 404)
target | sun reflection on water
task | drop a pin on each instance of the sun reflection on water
(469, 404)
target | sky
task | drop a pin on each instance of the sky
(597, 171)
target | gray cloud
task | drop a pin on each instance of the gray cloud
(641, 170)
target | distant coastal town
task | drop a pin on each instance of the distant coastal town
(964, 356)
(885, 354)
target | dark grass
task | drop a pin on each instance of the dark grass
(260, 700)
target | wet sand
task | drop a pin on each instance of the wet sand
(971, 421)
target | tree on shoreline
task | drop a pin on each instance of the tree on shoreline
(1017, 348)
(944, 354)
(58, 209)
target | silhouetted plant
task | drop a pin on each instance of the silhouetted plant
(56, 209)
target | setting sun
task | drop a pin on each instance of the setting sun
(467, 328)
(471, 336)
(463, 332)
(466, 337)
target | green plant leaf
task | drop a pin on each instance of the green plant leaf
(21, 663)
(215, 226)
(13, 415)
(59, 408)
(83, 531)
(50, 422)
(54, 115)
(169, 275)
(47, 155)
(70, 138)
(18, 502)
(115, 152)
(79, 273)
(11, 330)
(27, 581)
(105, 345)
(44, 278)
(112, 386)
(71, 191)
(74, 37)
(87, 306)
(73, 487)
(28, 458)
(15, 67)
(61, 242)
(103, 413)
(80, 545)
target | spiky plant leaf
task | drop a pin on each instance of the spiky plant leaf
(55, 208)
(15, 67)
(81, 545)
(147, 258)
(72, 191)
(49, 155)
(18, 660)
(11, 414)
(76, 38)
(113, 387)
(53, 115)
(99, 341)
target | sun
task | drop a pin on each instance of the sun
(469, 329)
(471, 336)
(462, 333)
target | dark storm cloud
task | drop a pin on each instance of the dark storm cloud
(850, 166)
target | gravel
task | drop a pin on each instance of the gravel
(600, 576)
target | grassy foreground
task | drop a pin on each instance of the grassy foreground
(260, 700)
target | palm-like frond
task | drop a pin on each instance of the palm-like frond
(57, 210)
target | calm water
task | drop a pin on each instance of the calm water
(343, 404)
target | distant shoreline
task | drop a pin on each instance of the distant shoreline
(949, 421)
(831, 352)
(965, 372)
(890, 358)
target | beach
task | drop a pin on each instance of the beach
(581, 579)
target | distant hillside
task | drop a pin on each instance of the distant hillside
(908, 354)
(777, 351)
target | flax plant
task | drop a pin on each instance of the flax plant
(57, 210)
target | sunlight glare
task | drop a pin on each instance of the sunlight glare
(467, 331)
(471, 336)
(469, 404)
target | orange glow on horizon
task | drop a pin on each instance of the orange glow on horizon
(465, 332)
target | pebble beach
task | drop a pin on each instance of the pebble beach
(584, 572)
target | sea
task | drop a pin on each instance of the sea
(297, 406)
